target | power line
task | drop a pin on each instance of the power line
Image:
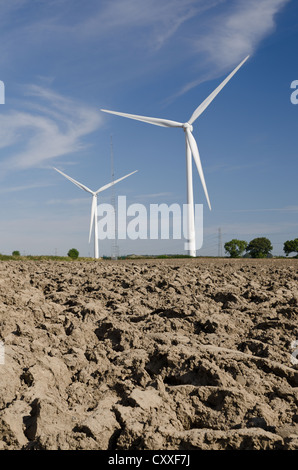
(219, 243)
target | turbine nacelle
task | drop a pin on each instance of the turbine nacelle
(188, 126)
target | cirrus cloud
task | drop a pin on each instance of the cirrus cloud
(48, 126)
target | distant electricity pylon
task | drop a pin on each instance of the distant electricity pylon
(115, 247)
(219, 243)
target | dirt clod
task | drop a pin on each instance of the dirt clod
(149, 354)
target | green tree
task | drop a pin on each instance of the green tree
(291, 246)
(259, 247)
(235, 247)
(73, 253)
(16, 253)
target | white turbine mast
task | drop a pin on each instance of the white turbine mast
(191, 150)
(94, 194)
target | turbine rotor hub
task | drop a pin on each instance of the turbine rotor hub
(186, 125)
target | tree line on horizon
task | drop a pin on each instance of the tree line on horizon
(258, 248)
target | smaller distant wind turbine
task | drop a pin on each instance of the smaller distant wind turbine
(94, 204)
(191, 150)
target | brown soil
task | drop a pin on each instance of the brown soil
(161, 354)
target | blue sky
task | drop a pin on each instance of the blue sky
(64, 60)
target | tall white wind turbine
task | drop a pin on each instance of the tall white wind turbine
(191, 150)
(94, 204)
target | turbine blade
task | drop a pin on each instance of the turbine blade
(80, 185)
(94, 201)
(106, 186)
(195, 152)
(201, 108)
(150, 120)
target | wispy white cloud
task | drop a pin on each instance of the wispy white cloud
(232, 34)
(49, 126)
(229, 31)
(238, 31)
(252, 228)
(150, 24)
(217, 33)
(154, 195)
(158, 20)
(227, 168)
(272, 209)
(8, 8)
(71, 202)
(25, 187)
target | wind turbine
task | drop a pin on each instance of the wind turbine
(191, 150)
(94, 204)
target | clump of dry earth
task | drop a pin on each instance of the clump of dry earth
(155, 355)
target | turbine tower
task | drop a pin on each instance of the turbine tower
(191, 150)
(94, 204)
(115, 248)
